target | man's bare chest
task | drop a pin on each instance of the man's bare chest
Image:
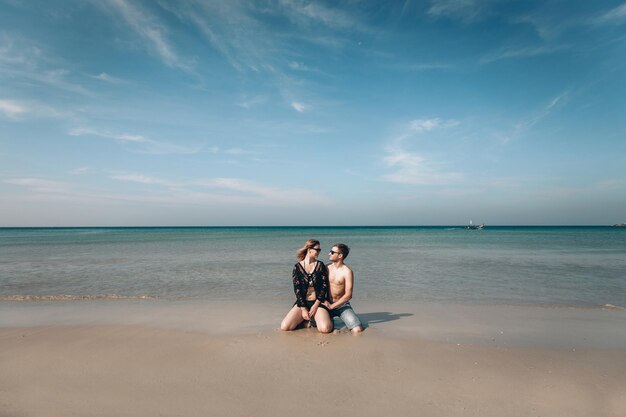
(336, 279)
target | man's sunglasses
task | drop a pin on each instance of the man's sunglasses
(332, 252)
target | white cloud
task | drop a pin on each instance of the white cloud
(299, 107)
(234, 151)
(11, 109)
(80, 171)
(409, 167)
(18, 52)
(41, 185)
(20, 110)
(298, 66)
(228, 190)
(124, 137)
(147, 27)
(143, 179)
(166, 148)
(264, 194)
(315, 13)
(248, 103)
(148, 146)
(423, 67)
(24, 60)
(464, 10)
(103, 76)
(415, 169)
(426, 125)
(616, 15)
(231, 193)
(543, 113)
(613, 184)
(516, 53)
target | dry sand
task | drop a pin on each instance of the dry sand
(143, 370)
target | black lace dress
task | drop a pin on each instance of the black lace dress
(318, 279)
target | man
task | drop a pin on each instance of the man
(341, 283)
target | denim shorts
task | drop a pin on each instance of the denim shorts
(347, 315)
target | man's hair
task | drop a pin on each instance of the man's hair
(343, 249)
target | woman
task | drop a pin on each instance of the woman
(310, 283)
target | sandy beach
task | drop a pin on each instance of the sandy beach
(126, 359)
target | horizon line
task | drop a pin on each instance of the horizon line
(305, 226)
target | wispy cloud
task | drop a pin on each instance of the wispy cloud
(614, 16)
(612, 184)
(103, 76)
(299, 107)
(427, 67)
(232, 29)
(413, 168)
(11, 109)
(229, 190)
(147, 145)
(520, 53)
(264, 194)
(249, 102)
(41, 185)
(298, 66)
(246, 36)
(543, 113)
(143, 179)
(18, 110)
(410, 167)
(315, 13)
(123, 137)
(24, 60)
(524, 125)
(80, 170)
(463, 10)
(147, 26)
(425, 125)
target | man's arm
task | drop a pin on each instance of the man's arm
(347, 295)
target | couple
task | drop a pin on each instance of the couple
(322, 292)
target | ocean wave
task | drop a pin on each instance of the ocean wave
(613, 307)
(74, 297)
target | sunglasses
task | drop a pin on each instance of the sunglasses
(332, 252)
(316, 249)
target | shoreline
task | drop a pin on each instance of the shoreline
(506, 325)
(52, 298)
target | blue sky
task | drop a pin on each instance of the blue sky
(295, 112)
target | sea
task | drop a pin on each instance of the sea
(499, 265)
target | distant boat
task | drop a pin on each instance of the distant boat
(472, 226)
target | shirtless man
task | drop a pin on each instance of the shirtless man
(341, 282)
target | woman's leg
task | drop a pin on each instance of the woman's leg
(292, 319)
(323, 321)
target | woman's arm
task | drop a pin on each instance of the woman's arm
(296, 276)
(323, 284)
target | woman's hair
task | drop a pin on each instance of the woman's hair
(301, 253)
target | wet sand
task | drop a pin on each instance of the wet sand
(226, 359)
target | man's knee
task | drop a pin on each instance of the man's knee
(357, 330)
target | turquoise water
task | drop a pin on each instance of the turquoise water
(575, 266)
